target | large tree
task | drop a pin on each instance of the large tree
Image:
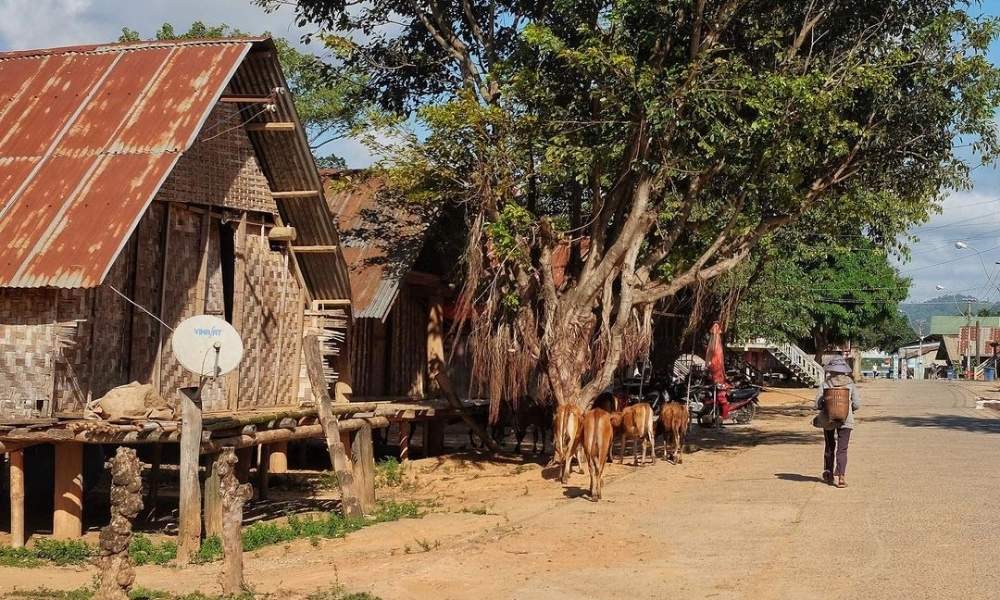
(610, 154)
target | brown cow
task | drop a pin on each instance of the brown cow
(674, 419)
(568, 427)
(637, 424)
(597, 432)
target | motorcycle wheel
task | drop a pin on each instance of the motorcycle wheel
(746, 414)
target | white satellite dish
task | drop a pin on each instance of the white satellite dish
(207, 345)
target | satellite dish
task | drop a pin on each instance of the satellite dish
(207, 345)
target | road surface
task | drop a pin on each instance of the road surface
(745, 517)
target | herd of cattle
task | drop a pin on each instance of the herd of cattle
(588, 436)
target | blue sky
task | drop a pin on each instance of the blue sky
(971, 215)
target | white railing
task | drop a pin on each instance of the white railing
(802, 360)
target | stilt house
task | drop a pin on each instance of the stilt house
(141, 184)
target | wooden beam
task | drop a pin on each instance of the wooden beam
(274, 436)
(314, 249)
(247, 99)
(295, 194)
(67, 516)
(189, 511)
(17, 499)
(272, 126)
(363, 465)
(212, 502)
(338, 454)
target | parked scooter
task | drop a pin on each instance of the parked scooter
(703, 402)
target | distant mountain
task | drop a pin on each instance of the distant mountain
(952, 304)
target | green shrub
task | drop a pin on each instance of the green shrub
(210, 550)
(146, 552)
(388, 473)
(63, 552)
(18, 557)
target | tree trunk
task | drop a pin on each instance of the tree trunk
(116, 571)
(234, 495)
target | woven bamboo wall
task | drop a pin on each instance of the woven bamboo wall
(368, 357)
(221, 168)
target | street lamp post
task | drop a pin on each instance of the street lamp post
(962, 245)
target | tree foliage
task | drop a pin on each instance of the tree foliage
(612, 153)
(327, 100)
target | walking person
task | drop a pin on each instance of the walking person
(836, 431)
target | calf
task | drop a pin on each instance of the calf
(597, 432)
(568, 423)
(637, 424)
(674, 419)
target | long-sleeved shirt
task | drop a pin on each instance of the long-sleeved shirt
(832, 382)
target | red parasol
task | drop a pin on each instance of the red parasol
(716, 364)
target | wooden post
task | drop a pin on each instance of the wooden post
(189, 511)
(263, 465)
(338, 454)
(233, 495)
(67, 516)
(363, 456)
(116, 571)
(405, 429)
(434, 437)
(154, 479)
(211, 500)
(435, 336)
(16, 498)
(437, 371)
(278, 458)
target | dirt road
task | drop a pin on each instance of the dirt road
(744, 517)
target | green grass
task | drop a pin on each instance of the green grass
(389, 473)
(145, 551)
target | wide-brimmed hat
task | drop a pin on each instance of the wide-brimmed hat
(838, 365)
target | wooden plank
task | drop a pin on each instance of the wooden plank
(17, 537)
(272, 126)
(67, 516)
(158, 364)
(363, 463)
(338, 454)
(201, 287)
(315, 249)
(189, 511)
(211, 500)
(232, 382)
(295, 194)
(246, 99)
(285, 435)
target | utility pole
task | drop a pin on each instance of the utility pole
(919, 371)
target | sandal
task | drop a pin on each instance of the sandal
(828, 477)
(841, 482)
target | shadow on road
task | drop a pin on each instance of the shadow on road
(956, 422)
(734, 437)
(798, 477)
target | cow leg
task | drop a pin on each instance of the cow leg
(679, 448)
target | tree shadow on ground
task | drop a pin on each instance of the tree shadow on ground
(953, 422)
(798, 477)
(732, 438)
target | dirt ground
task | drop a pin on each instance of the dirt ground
(500, 529)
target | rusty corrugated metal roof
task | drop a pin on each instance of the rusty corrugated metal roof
(375, 273)
(87, 136)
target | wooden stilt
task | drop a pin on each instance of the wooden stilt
(189, 511)
(17, 537)
(67, 516)
(211, 499)
(405, 429)
(245, 456)
(363, 456)
(263, 470)
(154, 480)
(278, 457)
(434, 437)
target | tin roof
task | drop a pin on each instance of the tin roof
(380, 244)
(88, 134)
(952, 325)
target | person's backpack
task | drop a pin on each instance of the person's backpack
(837, 404)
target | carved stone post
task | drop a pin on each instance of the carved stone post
(233, 495)
(117, 573)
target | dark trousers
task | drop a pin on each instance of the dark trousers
(836, 446)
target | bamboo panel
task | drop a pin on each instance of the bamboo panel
(407, 339)
(146, 291)
(253, 321)
(215, 301)
(27, 342)
(110, 346)
(72, 356)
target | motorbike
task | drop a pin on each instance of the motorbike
(704, 402)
